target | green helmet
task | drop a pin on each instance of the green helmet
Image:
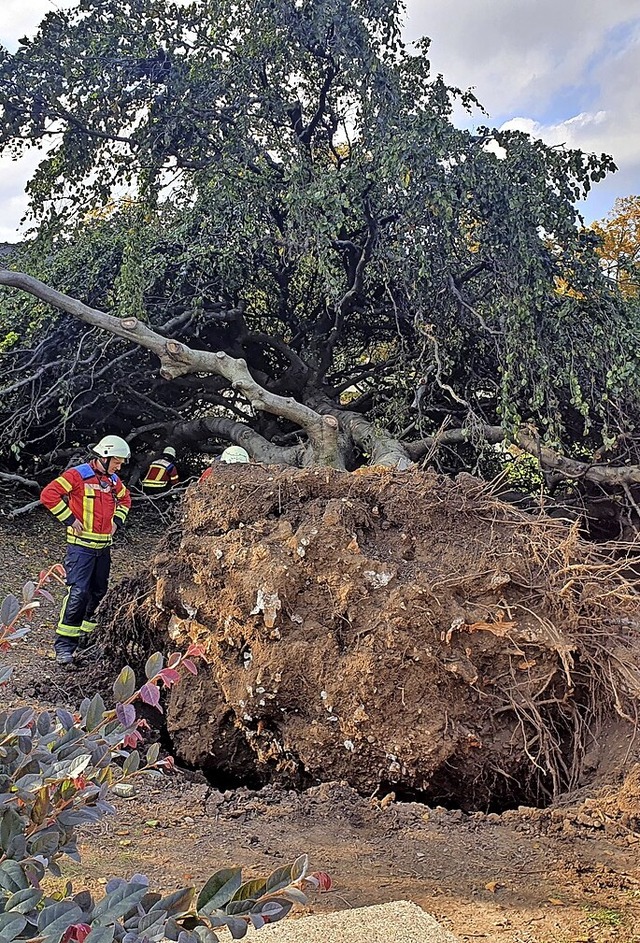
(235, 453)
(169, 450)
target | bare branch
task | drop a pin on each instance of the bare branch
(24, 509)
(177, 359)
(26, 482)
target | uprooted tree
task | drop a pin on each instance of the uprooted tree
(328, 270)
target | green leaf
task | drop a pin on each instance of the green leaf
(237, 928)
(125, 684)
(23, 901)
(54, 920)
(11, 926)
(235, 907)
(101, 935)
(12, 877)
(132, 763)
(11, 824)
(205, 935)
(219, 890)
(118, 902)
(153, 753)
(9, 609)
(78, 765)
(272, 909)
(281, 877)
(253, 889)
(151, 925)
(95, 714)
(45, 843)
(155, 663)
(19, 719)
(179, 902)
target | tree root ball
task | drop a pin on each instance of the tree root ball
(397, 630)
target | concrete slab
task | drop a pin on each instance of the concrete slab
(398, 922)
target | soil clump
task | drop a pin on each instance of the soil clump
(398, 631)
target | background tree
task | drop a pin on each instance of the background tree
(620, 244)
(298, 200)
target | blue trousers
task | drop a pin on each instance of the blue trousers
(87, 578)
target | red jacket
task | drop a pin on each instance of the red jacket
(84, 493)
(162, 474)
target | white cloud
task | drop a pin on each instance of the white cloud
(21, 18)
(562, 70)
(13, 201)
(516, 53)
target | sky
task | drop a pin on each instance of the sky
(563, 70)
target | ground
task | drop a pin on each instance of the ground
(564, 874)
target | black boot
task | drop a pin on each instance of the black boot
(65, 648)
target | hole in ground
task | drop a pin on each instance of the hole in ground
(236, 768)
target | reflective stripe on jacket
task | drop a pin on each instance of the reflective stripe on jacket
(161, 474)
(86, 494)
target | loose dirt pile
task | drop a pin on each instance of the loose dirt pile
(399, 631)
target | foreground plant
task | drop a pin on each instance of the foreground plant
(56, 772)
(130, 912)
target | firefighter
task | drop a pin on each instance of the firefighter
(231, 455)
(162, 474)
(92, 501)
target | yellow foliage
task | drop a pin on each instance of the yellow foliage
(620, 250)
(563, 287)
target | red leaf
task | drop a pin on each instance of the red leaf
(76, 933)
(195, 651)
(133, 739)
(189, 665)
(174, 659)
(169, 676)
(150, 694)
(323, 879)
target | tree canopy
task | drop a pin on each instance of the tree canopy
(282, 184)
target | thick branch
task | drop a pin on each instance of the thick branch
(548, 458)
(19, 479)
(381, 447)
(177, 359)
(256, 445)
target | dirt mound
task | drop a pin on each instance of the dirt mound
(399, 631)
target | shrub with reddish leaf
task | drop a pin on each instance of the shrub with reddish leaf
(56, 772)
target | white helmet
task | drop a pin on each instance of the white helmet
(235, 453)
(169, 450)
(112, 446)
